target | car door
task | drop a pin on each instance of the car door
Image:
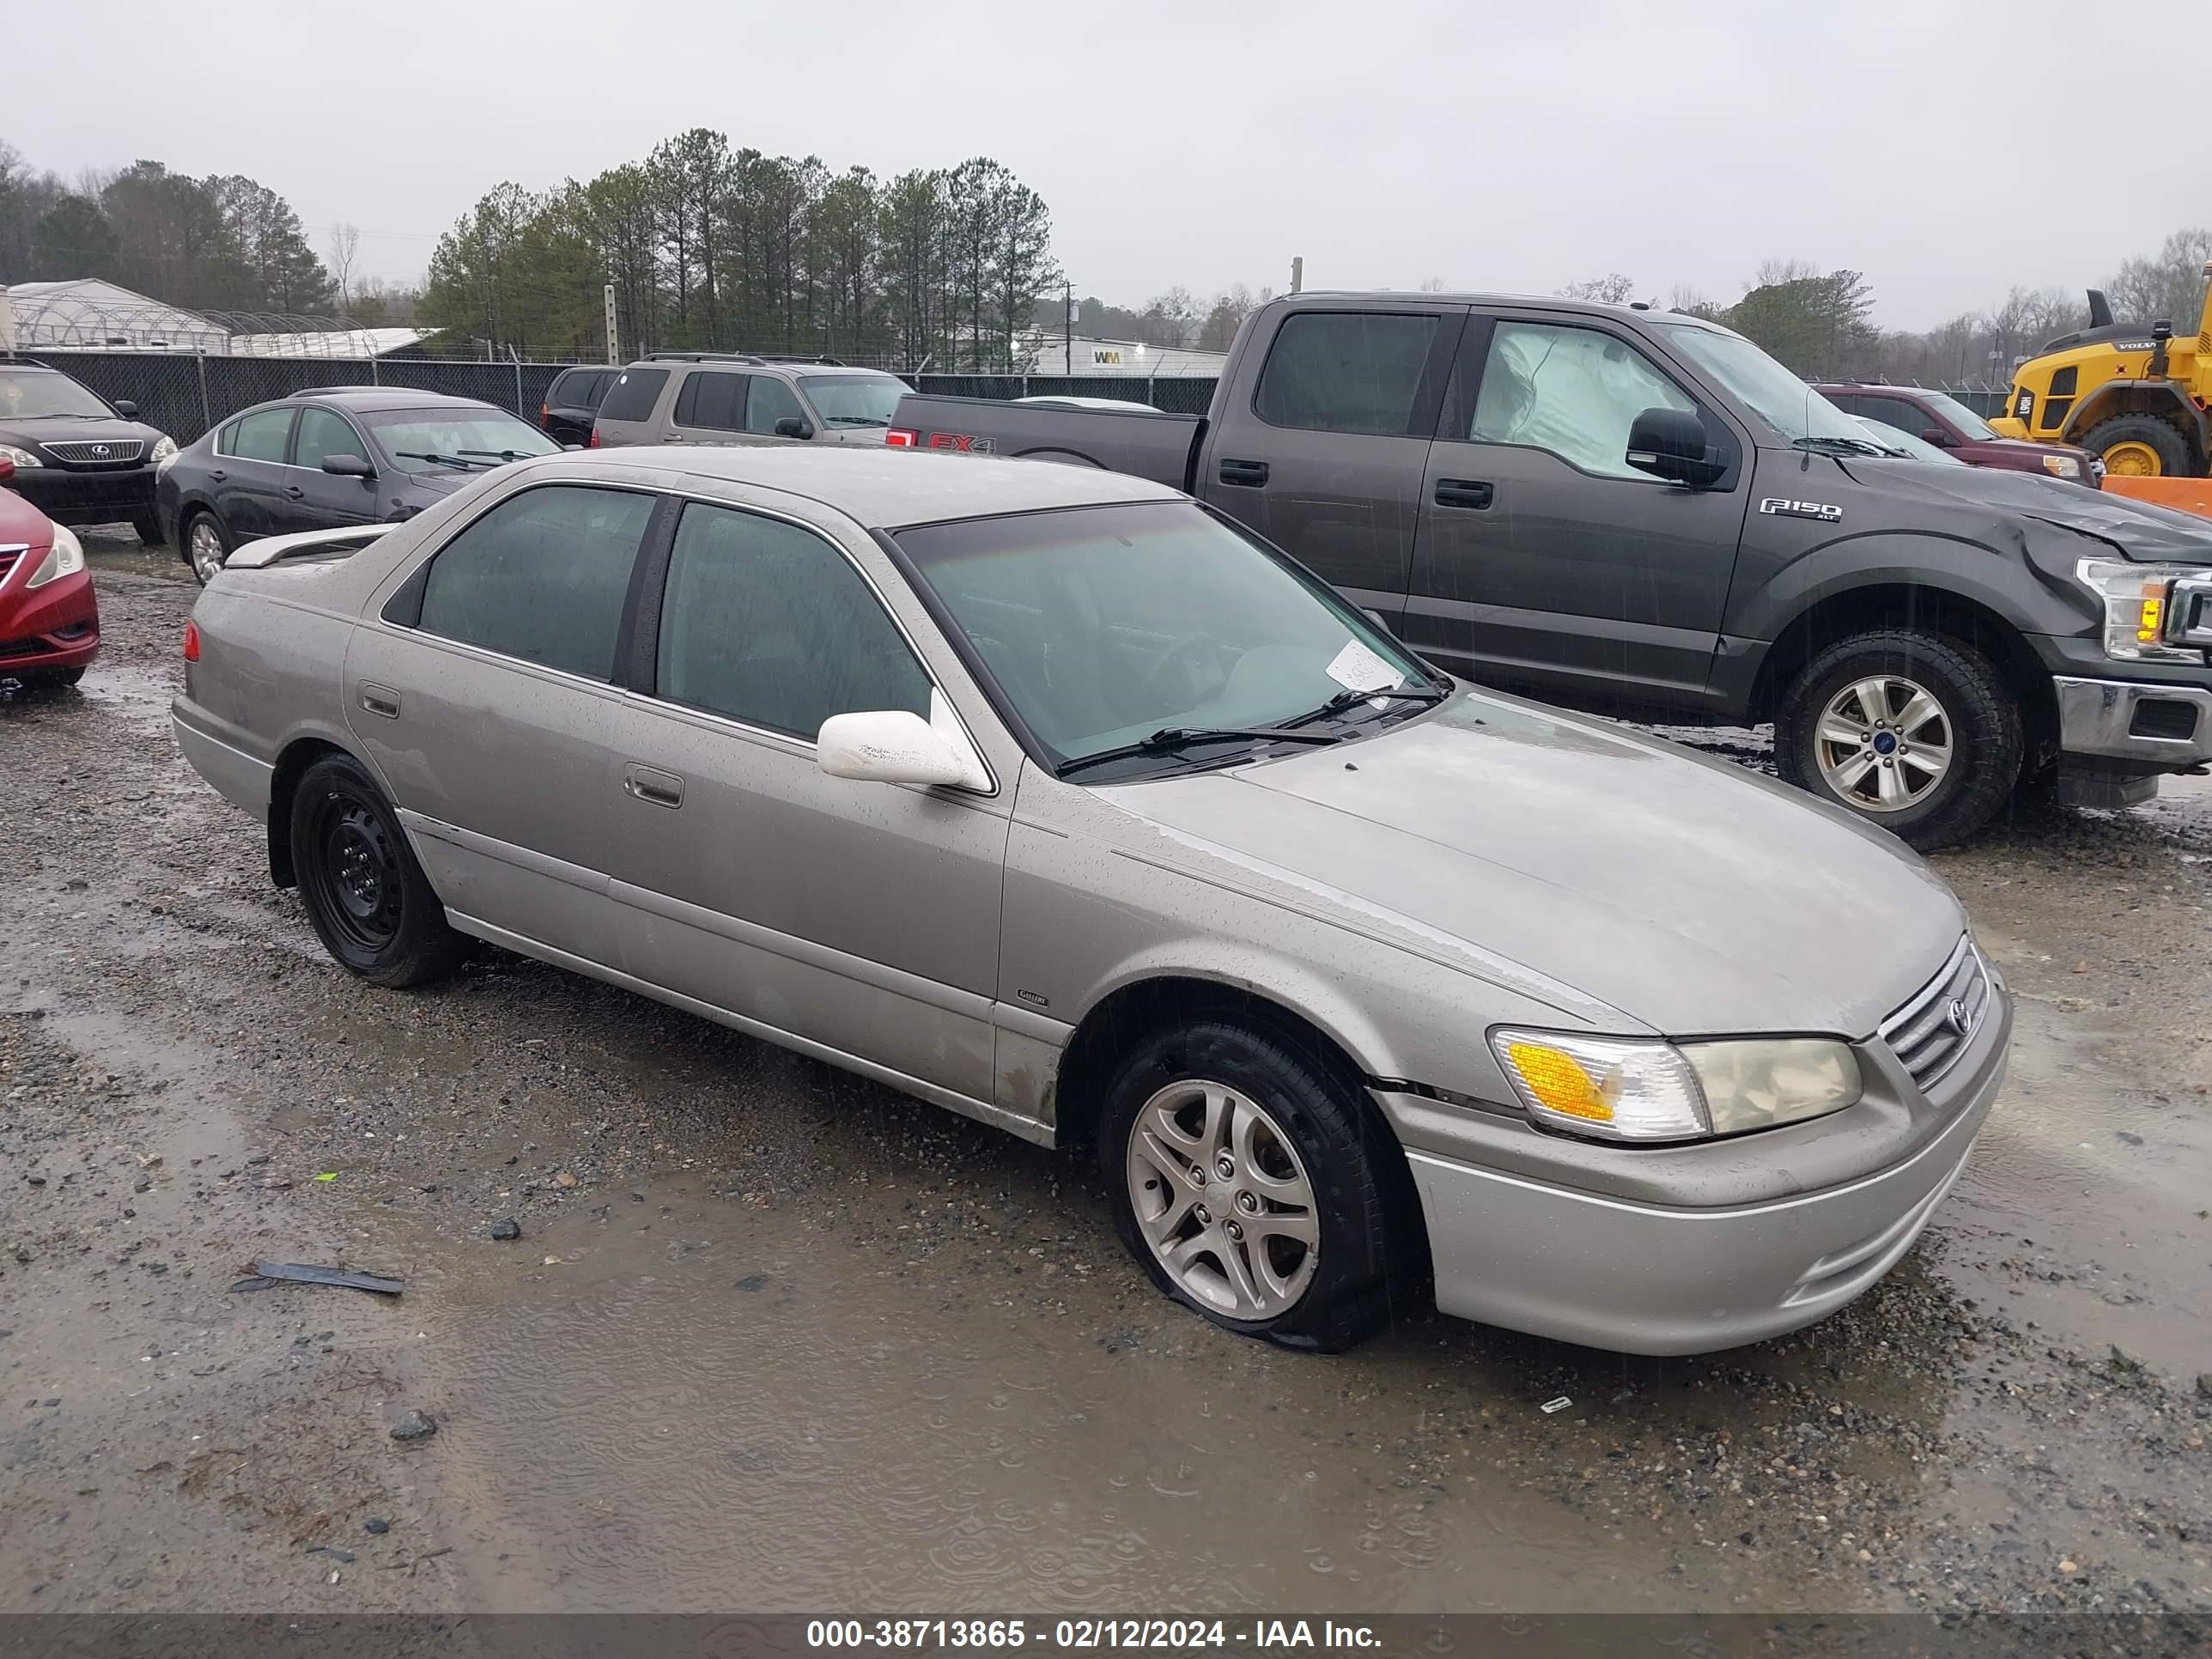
(1328, 460)
(251, 470)
(481, 686)
(1544, 559)
(709, 408)
(312, 498)
(861, 918)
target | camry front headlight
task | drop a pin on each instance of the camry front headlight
(2063, 466)
(2136, 599)
(23, 458)
(165, 452)
(64, 558)
(1635, 1089)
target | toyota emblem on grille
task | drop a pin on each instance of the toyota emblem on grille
(99, 451)
(1962, 1017)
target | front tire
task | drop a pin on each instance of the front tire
(2140, 447)
(203, 543)
(1249, 1184)
(1914, 731)
(371, 904)
(148, 527)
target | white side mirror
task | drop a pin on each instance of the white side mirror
(887, 745)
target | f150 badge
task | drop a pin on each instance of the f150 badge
(1789, 509)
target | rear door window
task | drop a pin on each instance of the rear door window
(542, 576)
(770, 624)
(634, 394)
(717, 401)
(1346, 372)
(263, 436)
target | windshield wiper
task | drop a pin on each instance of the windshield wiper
(435, 458)
(1827, 446)
(1169, 738)
(854, 420)
(502, 455)
(1346, 700)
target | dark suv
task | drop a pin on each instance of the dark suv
(573, 400)
(1945, 421)
(79, 458)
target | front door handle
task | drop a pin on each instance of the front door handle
(651, 785)
(1463, 492)
(1250, 474)
(380, 700)
(294, 493)
(217, 478)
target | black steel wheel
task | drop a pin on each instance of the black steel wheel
(371, 904)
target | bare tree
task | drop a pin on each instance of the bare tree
(1611, 289)
(346, 250)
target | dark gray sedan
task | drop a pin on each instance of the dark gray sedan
(1050, 796)
(329, 459)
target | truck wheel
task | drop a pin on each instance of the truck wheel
(1914, 731)
(1247, 1183)
(2140, 447)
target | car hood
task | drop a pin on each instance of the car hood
(27, 434)
(2138, 529)
(1691, 896)
(22, 524)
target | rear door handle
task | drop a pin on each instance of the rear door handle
(1463, 492)
(379, 700)
(1251, 474)
(650, 784)
(217, 478)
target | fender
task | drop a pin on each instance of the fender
(1989, 576)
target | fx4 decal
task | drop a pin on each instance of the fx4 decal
(963, 442)
(1789, 509)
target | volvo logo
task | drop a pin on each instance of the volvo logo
(99, 451)
(1961, 1017)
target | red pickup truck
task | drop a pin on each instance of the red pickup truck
(1945, 421)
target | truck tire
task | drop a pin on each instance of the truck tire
(1914, 731)
(2141, 447)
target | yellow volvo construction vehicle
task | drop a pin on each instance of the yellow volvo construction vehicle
(2135, 394)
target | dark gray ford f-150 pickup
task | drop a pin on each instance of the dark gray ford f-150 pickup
(1643, 512)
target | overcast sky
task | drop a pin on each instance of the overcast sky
(1933, 145)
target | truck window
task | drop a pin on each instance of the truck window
(1346, 372)
(1573, 391)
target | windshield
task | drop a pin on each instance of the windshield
(1105, 624)
(1785, 402)
(1919, 449)
(1977, 430)
(32, 397)
(424, 440)
(854, 399)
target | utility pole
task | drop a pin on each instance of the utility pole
(1298, 274)
(613, 356)
(1067, 326)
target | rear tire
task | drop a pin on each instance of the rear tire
(148, 527)
(2141, 447)
(1266, 1189)
(1913, 732)
(371, 906)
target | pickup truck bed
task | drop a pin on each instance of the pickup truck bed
(1160, 447)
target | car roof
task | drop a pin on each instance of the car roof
(1878, 386)
(377, 397)
(883, 489)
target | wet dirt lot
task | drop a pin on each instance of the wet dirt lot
(774, 1338)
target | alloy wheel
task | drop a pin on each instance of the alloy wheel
(1223, 1200)
(205, 548)
(1884, 743)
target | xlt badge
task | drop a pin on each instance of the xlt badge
(1789, 509)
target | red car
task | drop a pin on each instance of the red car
(49, 619)
(1945, 421)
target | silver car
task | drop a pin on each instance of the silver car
(1051, 796)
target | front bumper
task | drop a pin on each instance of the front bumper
(2165, 728)
(74, 496)
(1631, 1271)
(48, 629)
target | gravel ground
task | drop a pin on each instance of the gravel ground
(769, 1336)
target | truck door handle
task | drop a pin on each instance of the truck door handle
(1463, 492)
(649, 784)
(379, 700)
(1248, 473)
(294, 493)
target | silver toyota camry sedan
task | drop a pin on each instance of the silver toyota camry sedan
(1049, 796)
